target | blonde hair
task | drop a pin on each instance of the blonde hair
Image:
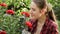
(51, 14)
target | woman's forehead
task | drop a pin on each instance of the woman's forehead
(33, 5)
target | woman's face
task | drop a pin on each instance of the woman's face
(34, 11)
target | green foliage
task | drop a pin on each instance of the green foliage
(59, 25)
(56, 7)
(13, 24)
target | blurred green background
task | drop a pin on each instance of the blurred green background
(11, 22)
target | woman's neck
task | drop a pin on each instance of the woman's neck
(42, 19)
(40, 24)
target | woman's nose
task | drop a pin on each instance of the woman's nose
(30, 12)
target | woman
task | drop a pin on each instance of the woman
(42, 18)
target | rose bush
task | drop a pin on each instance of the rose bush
(13, 15)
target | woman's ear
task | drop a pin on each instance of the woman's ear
(44, 10)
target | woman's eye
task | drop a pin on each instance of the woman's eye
(33, 9)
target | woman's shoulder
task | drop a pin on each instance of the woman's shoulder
(53, 23)
(50, 23)
(51, 27)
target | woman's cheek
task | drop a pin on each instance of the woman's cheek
(34, 15)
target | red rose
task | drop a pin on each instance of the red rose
(0, 4)
(3, 4)
(29, 24)
(25, 13)
(2, 32)
(10, 12)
